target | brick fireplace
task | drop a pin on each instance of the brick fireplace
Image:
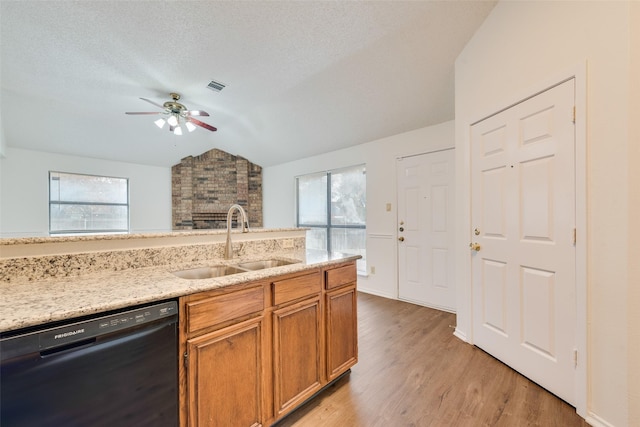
(204, 187)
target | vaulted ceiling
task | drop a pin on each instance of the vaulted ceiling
(303, 77)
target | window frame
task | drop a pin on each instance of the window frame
(329, 225)
(95, 231)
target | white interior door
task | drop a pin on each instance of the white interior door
(425, 234)
(523, 219)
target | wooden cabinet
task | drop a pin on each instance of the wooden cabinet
(225, 376)
(341, 320)
(342, 331)
(297, 341)
(254, 352)
(206, 311)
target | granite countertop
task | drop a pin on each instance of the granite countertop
(31, 303)
(127, 236)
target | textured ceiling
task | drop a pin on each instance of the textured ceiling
(303, 77)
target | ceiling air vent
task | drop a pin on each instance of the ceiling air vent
(216, 86)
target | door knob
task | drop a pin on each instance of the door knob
(401, 239)
(474, 246)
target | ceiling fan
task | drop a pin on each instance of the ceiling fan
(176, 115)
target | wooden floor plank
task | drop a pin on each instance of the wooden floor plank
(412, 371)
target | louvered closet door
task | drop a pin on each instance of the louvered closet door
(523, 218)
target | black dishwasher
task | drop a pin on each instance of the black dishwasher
(119, 369)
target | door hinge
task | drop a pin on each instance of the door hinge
(575, 236)
(575, 357)
(574, 114)
(186, 359)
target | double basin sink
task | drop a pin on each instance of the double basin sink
(210, 272)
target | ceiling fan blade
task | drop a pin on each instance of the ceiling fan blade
(145, 113)
(197, 113)
(153, 103)
(202, 124)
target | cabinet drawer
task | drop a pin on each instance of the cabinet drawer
(212, 311)
(295, 288)
(340, 276)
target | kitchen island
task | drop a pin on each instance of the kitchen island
(253, 345)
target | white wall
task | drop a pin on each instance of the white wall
(24, 185)
(3, 141)
(3, 144)
(380, 158)
(521, 45)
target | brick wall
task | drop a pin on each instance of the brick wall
(205, 186)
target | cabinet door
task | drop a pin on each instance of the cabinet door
(225, 376)
(297, 352)
(342, 330)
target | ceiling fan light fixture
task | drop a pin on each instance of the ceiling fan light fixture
(176, 115)
(160, 123)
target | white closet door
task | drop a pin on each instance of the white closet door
(523, 219)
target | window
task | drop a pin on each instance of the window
(333, 205)
(87, 204)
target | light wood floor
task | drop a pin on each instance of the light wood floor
(412, 371)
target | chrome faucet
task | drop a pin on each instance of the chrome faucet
(228, 251)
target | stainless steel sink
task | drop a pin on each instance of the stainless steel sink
(208, 272)
(267, 263)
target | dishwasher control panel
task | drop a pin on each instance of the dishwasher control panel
(74, 332)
